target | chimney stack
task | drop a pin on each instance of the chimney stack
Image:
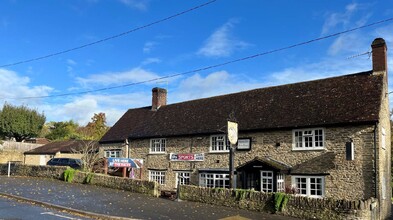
(379, 55)
(158, 99)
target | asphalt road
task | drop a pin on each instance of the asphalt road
(14, 210)
(120, 203)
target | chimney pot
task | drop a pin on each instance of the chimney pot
(379, 51)
(158, 98)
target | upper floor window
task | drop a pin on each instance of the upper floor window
(157, 145)
(312, 186)
(218, 143)
(308, 139)
(112, 153)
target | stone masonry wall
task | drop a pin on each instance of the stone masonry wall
(297, 206)
(347, 180)
(384, 192)
(57, 172)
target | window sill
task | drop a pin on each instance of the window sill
(157, 153)
(218, 152)
(309, 149)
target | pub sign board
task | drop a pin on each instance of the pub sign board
(123, 162)
(186, 157)
(244, 144)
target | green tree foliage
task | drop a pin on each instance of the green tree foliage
(20, 122)
(94, 130)
(97, 127)
(63, 130)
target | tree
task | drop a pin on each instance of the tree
(90, 157)
(63, 130)
(20, 122)
(97, 127)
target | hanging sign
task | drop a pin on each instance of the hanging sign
(232, 132)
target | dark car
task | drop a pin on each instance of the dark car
(71, 162)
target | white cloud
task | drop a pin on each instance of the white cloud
(71, 62)
(150, 61)
(81, 108)
(15, 86)
(117, 78)
(136, 4)
(335, 19)
(149, 46)
(216, 83)
(221, 43)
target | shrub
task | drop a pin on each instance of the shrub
(69, 175)
(280, 201)
(89, 178)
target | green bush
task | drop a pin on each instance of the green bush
(69, 175)
(280, 201)
(89, 178)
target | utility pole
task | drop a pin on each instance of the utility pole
(233, 137)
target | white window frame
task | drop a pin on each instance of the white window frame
(280, 182)
(215, 141)
(214, 180)
(183, 177)
(157, 145)
(112, 153)
(158, 176)
(307, 139)
(307, 188)
(267, 181)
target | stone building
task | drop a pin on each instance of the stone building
(324, 138)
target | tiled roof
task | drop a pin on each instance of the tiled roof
(345, 99)
(320, 165)
(61, 146)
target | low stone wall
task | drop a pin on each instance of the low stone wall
(57, 172)
(297, 206)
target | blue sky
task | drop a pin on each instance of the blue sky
(216, 33)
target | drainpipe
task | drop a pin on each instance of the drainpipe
(375, 160)
(127, 148)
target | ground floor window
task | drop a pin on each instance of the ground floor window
(158, 176)
(214, 180)
(112, 153)
(183, 178)
(280, 182)
(312, 186)
(267, 181)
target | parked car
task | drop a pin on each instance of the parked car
(71, 162)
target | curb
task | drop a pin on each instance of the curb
(68, 209)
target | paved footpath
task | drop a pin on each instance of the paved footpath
(105, 203)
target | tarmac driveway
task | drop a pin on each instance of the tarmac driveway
(120, 203)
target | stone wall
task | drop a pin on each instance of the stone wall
(383, 153)
(297, 206)
(57, 172)
(346, 179)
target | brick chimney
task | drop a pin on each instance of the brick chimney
(158, 98)
(379, 51)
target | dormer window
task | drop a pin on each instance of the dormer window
(308, 139)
